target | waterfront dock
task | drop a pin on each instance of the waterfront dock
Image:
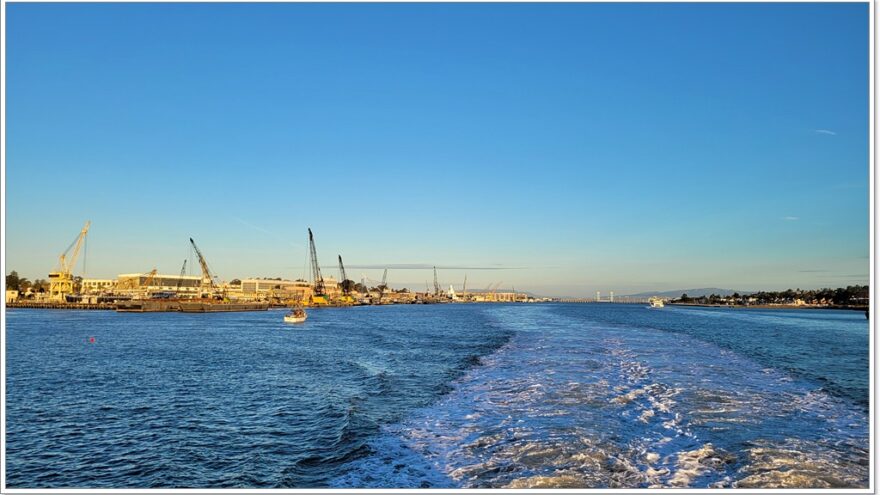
(60, 305)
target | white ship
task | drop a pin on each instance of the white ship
(656, 302)
(298, 315)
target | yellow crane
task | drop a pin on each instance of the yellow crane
(61, 280)
(149, 280)
(139, 283)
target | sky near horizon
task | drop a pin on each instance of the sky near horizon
(556, 148)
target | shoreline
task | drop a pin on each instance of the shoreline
(770, 306)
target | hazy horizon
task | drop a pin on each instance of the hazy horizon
(559, 149)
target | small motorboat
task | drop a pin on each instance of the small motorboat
(656, 302)
(298, 315)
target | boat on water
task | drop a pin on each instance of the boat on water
(656, 302)
(298, 315)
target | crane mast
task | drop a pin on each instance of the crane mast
(180, 279)
(207, 277)
(316, 269)
(342, 276)
(436, 285)
(344, 282)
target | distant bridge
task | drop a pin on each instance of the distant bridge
(617, 300)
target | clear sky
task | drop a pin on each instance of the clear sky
(562, 148)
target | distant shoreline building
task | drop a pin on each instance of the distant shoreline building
(129, 283)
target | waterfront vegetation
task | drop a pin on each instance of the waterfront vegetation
(22, 284)
(851, 296)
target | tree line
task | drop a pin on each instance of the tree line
(852, 295)
(22, 284)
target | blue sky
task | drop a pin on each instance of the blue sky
(562, 148)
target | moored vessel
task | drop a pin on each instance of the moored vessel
(212, 306)
(147, 306)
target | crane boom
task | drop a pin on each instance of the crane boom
(318, 280)
(342, 276)
(207, 277)
(346, 284)
(180, 279)
(65, 265)
(150, 276)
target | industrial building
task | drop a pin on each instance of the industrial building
(261, 288)
(97, 285)
(134, 283)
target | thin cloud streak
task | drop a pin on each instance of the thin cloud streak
(826, 132)
(425, 266)
(791, 219)
(265, 231)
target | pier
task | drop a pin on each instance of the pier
(60, 305)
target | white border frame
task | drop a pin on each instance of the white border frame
(872, 244)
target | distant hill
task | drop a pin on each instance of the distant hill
(691, 292)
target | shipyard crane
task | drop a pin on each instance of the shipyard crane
(207, 277)
(134, 283)
(436, 285)
(319, 294)
(61, 280)
(464, 288)
(150, 276)
(346, 284)
(383, 285)
(180, 278)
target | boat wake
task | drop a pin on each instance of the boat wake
(568, 403)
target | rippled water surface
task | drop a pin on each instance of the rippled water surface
(525, 396)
